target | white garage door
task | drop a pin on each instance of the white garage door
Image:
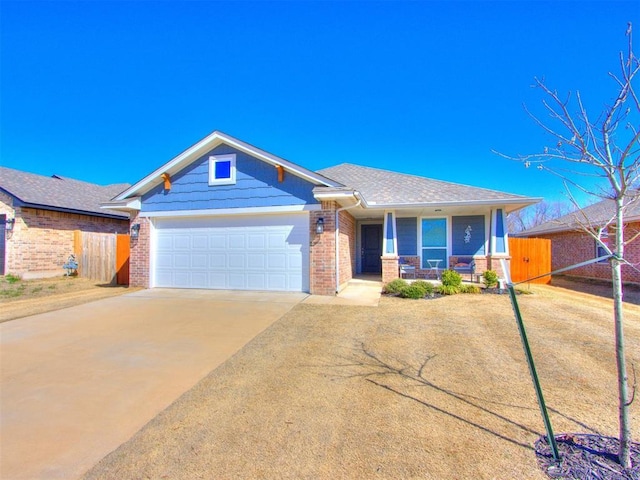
(269, 252)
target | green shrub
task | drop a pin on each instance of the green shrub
(395, 286)
(449, 289)
(469, 289)
(451, 278)
(11, 278)
(490, 278)
(428, 287)
(414, 290)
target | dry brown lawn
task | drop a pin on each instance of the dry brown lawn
(432, 389)
(29, 297)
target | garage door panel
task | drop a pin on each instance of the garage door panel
(270, 252)
(256, 241)
(236, 242)
(217, 261)
(295, 283)
(277, 240)
(217, 280)
(181, 261)
(295, 261)
(199, 261)
(217, 241)
(236, 261)
(238, 281)
(276, 281)
(256, 261)
(164, 260)
(182, 242)
(199, 279)
(256, 281)
(200, 242)
(164, 277)
(277, 261)
(182, 279)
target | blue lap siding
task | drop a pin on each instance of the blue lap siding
(407, 232)
(468, 235)
(256, 186)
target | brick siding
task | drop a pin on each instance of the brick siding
(42, 240)
(322, 268)
(389, 268)
(492, 262)
(568, 248)
(347, 246)
(140, 259)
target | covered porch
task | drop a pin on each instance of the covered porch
(421, 243)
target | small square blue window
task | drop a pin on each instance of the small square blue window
(222, 169)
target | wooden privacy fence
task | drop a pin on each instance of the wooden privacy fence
(530, 257)
(102, 256)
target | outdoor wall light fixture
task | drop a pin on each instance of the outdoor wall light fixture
(320, 226)
(10, 222)
(135, 230)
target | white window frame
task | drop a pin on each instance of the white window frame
(447, 247)
(213, 159)
(604, 238)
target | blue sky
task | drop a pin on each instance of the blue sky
(108, 91)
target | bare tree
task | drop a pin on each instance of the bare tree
(607, 149)
(535, 215)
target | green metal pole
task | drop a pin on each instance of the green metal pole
(534, 375)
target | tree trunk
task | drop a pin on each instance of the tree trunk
(624, 453)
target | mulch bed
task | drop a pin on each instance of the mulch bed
(483, 291)
(586, 457)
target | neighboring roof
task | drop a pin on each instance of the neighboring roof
(59, 193)
(596, 215)
(386, 188)
(205, 145)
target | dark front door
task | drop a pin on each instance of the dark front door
(3, 226)
(371, 248)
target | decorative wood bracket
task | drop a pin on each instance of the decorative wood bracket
(280, 170)
(167, 181)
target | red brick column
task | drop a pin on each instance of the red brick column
(322, 251)
(347, 246)
(494, 263)
(140, 254)
(389, 268)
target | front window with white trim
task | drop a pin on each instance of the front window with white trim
(222, 169)
(433, 233)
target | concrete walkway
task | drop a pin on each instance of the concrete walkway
(78, 382)
(361, 291)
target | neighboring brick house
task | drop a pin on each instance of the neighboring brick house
(224, 214)
(39, 214)
(571, 245)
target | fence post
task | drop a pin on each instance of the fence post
(77, 249)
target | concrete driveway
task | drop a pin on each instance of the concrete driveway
(78, 382)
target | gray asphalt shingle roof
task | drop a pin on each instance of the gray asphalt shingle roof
(597, 215)
(384, 187)
(59, 193)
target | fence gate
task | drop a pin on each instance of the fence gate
(102, 256)
(530, 257)
(122, 259)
